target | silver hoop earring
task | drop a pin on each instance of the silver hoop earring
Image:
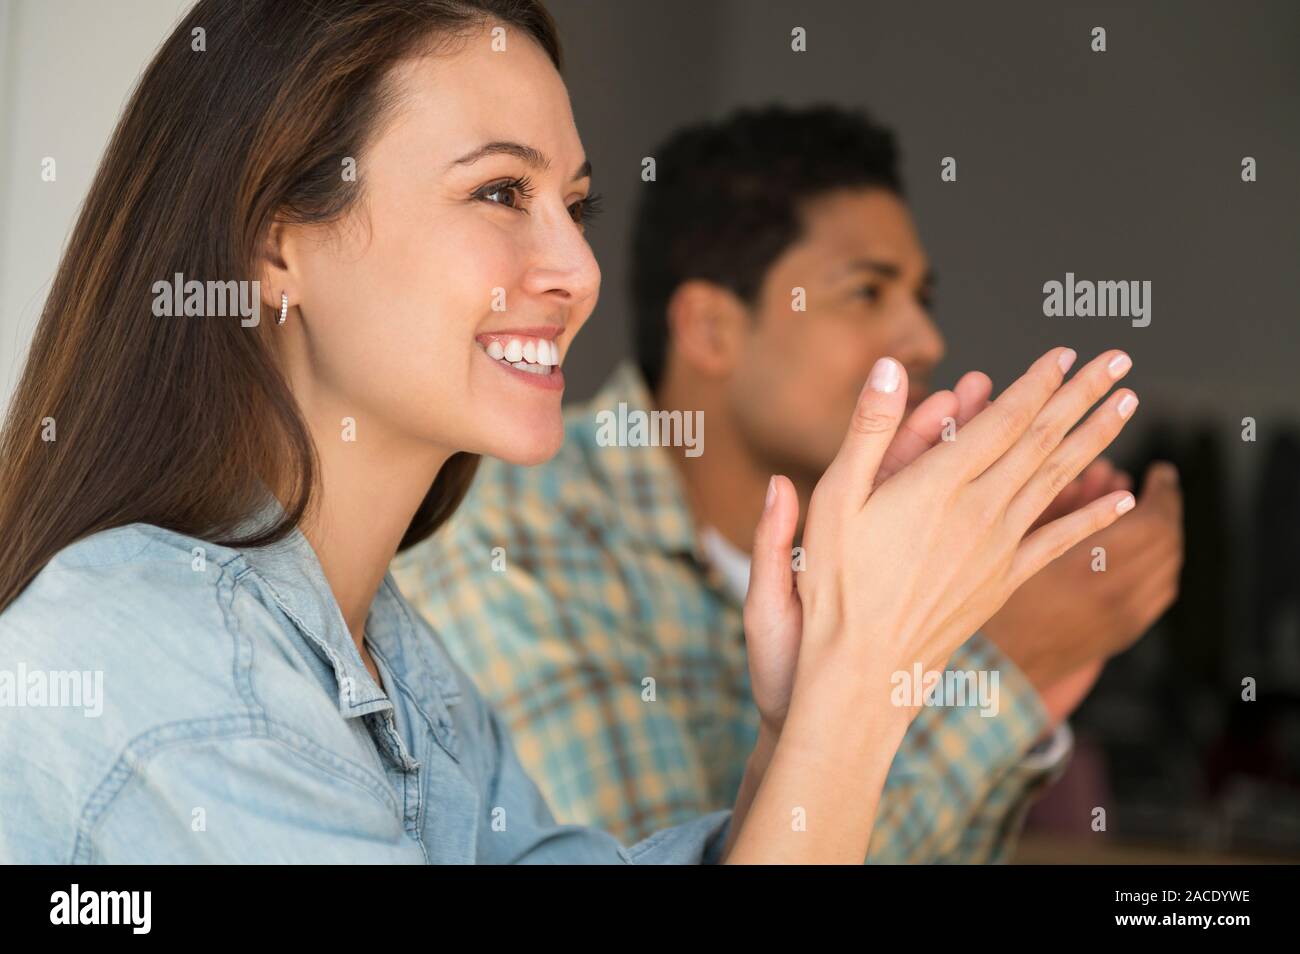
(284, 308)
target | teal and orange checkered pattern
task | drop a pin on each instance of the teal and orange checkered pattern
(617, 657)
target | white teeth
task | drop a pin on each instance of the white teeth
(532, 354)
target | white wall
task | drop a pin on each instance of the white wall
(66, 70)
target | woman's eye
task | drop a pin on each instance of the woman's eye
(869, 292)
(585, 209)
(511, 193)
(501, 195)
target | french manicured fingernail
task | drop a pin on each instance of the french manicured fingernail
(884, 376)
(1119, 364)
(1066, 359)
(1124, 504)
(1127, 405)
(771, 493)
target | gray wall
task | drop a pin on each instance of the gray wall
(1115, 165)
(66, 70)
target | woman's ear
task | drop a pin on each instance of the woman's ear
(706, 327)
(273, 271)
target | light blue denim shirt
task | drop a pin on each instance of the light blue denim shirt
(165, 699)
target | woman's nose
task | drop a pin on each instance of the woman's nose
(564, 267)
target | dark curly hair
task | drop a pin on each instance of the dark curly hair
(727, 201)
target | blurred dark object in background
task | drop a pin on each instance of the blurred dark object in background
(1173, 742)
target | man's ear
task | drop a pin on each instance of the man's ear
(707, 325)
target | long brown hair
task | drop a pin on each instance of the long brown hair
(246, 115)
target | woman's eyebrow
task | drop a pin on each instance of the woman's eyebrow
(533, 157)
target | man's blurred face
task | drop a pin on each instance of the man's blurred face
(867, 285)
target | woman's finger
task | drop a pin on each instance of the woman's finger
(1097, 478)
(1074, 454)
(1054, 421)
(992, 432)
(925, 425)
(1047, 543)
(973, 392)
(851, 476)
(1071, 498)
(771, 577)
(921, 431)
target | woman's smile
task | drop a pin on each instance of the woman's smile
(529, 354)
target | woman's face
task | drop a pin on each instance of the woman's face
(441, 308)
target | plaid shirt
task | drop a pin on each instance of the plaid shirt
(577, 597)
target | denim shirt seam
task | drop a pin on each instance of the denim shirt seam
(335, 661)
(145, 541)
(244, 653)
(245, 684)
(236, 726)
(632, 852)
(444, 676)
(242, 663)
(257, 724)
(442, 728)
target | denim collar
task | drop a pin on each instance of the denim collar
(296, 581)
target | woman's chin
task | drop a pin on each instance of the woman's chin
(528, 450)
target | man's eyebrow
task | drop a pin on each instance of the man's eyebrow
(533, 157)
(885, 269)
